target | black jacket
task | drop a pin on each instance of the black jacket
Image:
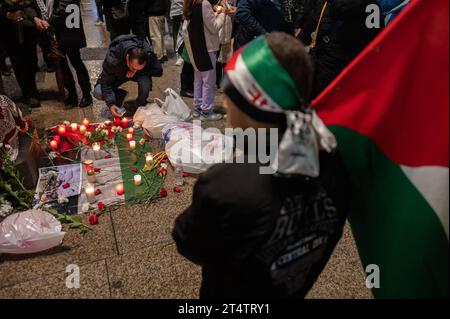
(157, 7)
(342, 35)
(115, 67)
(262, 236)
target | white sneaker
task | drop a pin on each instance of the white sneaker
(179, 62)
(211, 116)
(99, 23)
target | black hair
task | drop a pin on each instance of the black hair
(138, 54)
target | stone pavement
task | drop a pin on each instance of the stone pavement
(130, 254)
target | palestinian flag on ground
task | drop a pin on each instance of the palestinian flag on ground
(390, 112)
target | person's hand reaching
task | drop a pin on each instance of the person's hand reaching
(115, 111)
(41, 24)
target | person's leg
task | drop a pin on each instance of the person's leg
(209, 91)
(82, 75)
(155, 36)
(198, 93)
(144, 87)
(138, 18)
(69, 84)
(99, 11)
(187, 80)
(120, 94)
(175, 30)
(29, 56)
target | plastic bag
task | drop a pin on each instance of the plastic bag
(197, 149)
(152, 119)
(174, 105)
(30, 232)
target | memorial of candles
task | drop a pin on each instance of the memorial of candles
(137, 180)
(83, 129)
(96, 149)
(74, 127)
(89, 189)
(120, 190)
(85, 122)
(132, 145)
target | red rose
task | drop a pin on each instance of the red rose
(30, 122)
(57, 139)
(176, 189)
(116, 121)
(163, 192)
(185, 174)
(23, 131)
(97, 169)
(66, 185)
(134, 170)
(161, 172)
(97, 192)
(107, 156)
(101, 206)
(93, 219)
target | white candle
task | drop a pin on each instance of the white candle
(91, 177)
(137, 180)
(90, 192)
(149, 159)
(83, 129)
(74, 127)
(132, 145)
(96, 149)
(119, 189)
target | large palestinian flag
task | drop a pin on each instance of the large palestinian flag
(390, 112)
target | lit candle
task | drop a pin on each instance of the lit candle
(85, 122)
(132, 145)
(89, 165)
(90, 192)
(57, 139)
(54, 144)
(137, 180)
(83, 129)
(108, 123)
(116, 121)
(130, 136)
(62, 130)
(96, 149)
(74, 127)
(149, 159)
(131, 130)
(124, 122)
(91, 176)
(119, 189)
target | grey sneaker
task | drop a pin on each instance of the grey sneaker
(196, 113)
(211, 116)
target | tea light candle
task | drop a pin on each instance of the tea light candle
(124, 122)
(83, 129)
(119, 189)
(132, 145)
(62, 130)
(149, 159)
(89, 165)
(85, 122)
(130, 136)
(57, 139)
(54, 144)
(131, 130)
(137, 180)
(96, 149)
(90, 192)
(91, 176)
(74, 127)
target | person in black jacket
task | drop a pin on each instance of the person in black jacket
(342, 34)
(18, 39)
(129, 58)
(258, 17)
(265, 235)
(70, 40)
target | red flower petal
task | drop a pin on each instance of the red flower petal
(97, 170)
(93, 219)
(185, 174)
(57, 139)
(163, 192)
(98, 192)
(30, 122)
(107, 156)
(134, 169)
(101, 206)
(66, 185)
(176, 189)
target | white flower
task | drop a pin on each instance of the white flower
(115, 129)
(105, 132)
(52, 155)
(43, 198)
(62, 199)
(36, 196)
(164, 165)
(47, 206)
(85, 207)
(102, 125)
(66, 123)
(1, 145)
(120, 129)
(142, 141)
(52, 173)
(7, 146)
(88, 134)
(5, 209)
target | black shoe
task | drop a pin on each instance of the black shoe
(187, 93)
(33, 102)
(86, 100)
(164, 59)
(71, 101)
(47, 69)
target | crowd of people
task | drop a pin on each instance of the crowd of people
(275, 237)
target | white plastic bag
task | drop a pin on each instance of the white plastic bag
(197, 149)
(152, 119)
(174, 105)
(30, 232)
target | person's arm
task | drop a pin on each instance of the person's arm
(195, 232)
(246, 20)
(106, 80)
(212, 21)
(154, 66)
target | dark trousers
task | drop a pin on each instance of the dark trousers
(187, 77)
(144, 88)
(115, 27)
(176, 20)
(99, 6)
(3, 57)
(74, 57)
(23, 58)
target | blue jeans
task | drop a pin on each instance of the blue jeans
(144, 87)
